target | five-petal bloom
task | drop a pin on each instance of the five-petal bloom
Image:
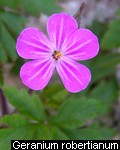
(64, 45)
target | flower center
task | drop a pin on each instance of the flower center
(57, 55)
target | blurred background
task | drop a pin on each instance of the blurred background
(100, 16)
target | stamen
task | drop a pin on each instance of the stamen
(57, 55)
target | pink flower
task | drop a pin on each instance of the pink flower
(64, 45)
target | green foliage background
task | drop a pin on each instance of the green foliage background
(54, 113)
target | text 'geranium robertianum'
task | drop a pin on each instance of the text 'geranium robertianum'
(64, 45)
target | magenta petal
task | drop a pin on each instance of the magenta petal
(75, 76)
(36, 74)
(59, 27)
(81, 45)
(32, 44)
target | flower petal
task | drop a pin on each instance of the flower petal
(32, 44)
(81, 45)
(75, 76)
(36, 74)
(59, 28)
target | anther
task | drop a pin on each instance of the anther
(57, 55)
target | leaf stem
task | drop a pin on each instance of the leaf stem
(77, 15)
(3, 102)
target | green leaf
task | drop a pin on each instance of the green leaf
(101, 133)
(29, 133)
(27, 105)
(103, 65)
(15, 26)
(38, 6)
(106, 133)
(14, 4)
(82, 134)
(19, 128)
(20, 133)
(14, 120)
(9, 31)
(111, 39)
(44, 132)
(8, 42)
(54, 95)
(3, 56)
(16, 66)
(74, 112)
(98, 28)
(106, 92)
(58, 134)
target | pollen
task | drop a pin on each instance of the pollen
(57, 55)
